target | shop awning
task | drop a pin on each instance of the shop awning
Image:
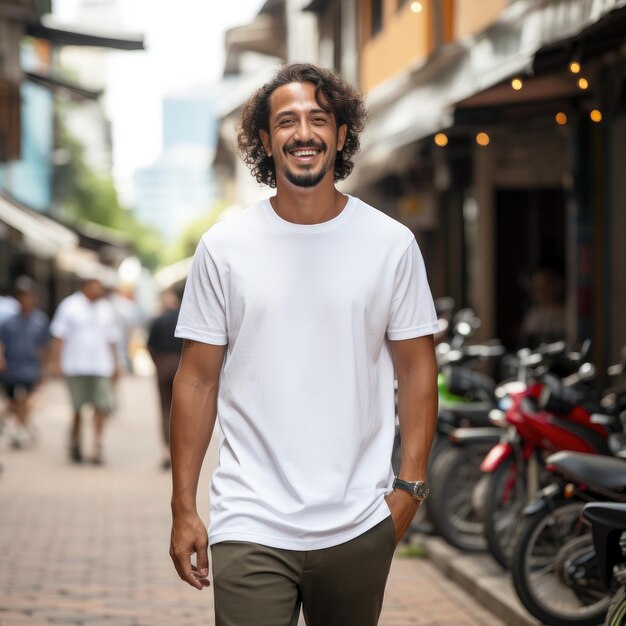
(42, 236)
(85, 264)
(68, 36)
(58, 84)
(421, 101)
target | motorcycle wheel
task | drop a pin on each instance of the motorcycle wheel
(504, 501)
(554, 569)
(617, 611)
(455, 473)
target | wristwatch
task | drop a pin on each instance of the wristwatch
(419, 489)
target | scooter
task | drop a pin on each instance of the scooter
(457, 501)
(550, 415)
(555, 570)
(608, 529)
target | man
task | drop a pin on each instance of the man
(84, 341)
(295, 313)
(24, 341)
(165, 349)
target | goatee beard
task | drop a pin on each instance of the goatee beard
(305, 180)
(308, 180)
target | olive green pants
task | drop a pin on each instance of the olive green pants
(255, 585)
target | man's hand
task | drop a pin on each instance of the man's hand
(189, 536)
(54, 369)
(403, 508)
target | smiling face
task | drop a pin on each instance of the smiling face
(303, 138)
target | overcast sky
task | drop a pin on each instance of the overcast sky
(184, 47)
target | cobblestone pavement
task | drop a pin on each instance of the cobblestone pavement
(86, 545)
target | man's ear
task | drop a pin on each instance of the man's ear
(341, 137)
(265, 140)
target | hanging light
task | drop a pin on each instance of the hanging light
(596, 115)
(416, 7)
(560, 118)
(574, 67)
(441, 139)
(482, 139)
(517, 84)
(583, 83)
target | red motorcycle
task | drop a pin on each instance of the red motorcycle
(546, 417)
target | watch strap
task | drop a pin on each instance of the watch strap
(418, 489)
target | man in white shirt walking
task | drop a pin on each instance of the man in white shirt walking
(85, 334)
(295, 315)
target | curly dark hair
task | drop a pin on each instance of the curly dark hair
(332, 93)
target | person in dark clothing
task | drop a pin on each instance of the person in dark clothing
(165, 350)
(24, 339)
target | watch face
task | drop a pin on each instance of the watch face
(421, 490)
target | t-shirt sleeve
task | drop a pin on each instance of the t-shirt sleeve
(203, 310)
(412, 312)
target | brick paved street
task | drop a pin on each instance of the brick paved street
(85, 545)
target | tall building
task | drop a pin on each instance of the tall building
(178, 187)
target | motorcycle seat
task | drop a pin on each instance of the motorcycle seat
(608, 520)
(610, 515)
(595, 470)
(462, 381)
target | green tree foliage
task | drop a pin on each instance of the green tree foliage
(186, 243)
(87, 196)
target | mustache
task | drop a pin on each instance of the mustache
(295, 145)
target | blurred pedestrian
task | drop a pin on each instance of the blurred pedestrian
(128, 318)
(295, 313)
(85, 336)
(24, 341)
(544, 321)
(165, 349)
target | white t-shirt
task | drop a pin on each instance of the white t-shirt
(89, 332)
(306, 397)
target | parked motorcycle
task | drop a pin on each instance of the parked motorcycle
(458, 499)
(608, 529)
(555, 569)
(550, 415)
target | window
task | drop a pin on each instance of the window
(376, 13)
(10, 128)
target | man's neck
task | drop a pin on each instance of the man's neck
(312, 205)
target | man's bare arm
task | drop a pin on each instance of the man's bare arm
(194, 410)
(416, 370)
(54, 356)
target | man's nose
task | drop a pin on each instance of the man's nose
(303, 131)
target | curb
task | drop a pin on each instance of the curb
(482, 578)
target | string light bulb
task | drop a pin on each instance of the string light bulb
(596, 116)
(517, 84)
(560, 118)
(574, 67)
(583, 83)
(416, 7)
(441, 139)
(482, 139)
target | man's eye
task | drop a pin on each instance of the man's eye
(286, 122)
(319, 120)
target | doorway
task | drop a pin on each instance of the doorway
(530, 234)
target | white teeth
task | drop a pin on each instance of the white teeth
(300, 153)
